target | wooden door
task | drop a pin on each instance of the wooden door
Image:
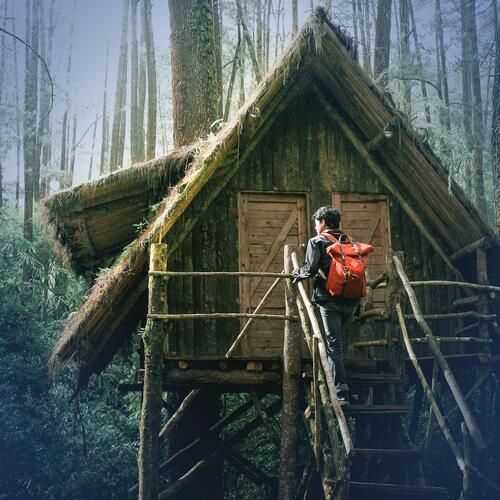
(365, 218)
(267, 222)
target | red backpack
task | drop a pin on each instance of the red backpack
(346, 277)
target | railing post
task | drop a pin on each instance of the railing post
(153, 337)
(291, 389)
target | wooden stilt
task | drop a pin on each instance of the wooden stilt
(466, 483)
(432, 343)
(428, 429)
(288, 479)
(154, 335)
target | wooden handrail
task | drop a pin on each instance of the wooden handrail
(339, 414)
(436, 351)
(427, 391)
(165, 317)
(219, 274)
(459, 284)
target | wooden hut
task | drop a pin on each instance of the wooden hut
(316, 132)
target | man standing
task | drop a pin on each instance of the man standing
(335, 311)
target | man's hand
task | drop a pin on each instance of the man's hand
(296, 275)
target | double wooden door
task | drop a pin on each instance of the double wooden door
(267, 222)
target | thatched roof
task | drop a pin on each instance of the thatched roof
(93, 222)
(318, 60)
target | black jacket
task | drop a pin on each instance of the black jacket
(317, 265)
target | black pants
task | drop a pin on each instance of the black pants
(334, 316)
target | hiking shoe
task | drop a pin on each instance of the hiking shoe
(343, 398)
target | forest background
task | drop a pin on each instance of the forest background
(86, 89)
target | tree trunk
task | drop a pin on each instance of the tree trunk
(103, 166)
(3, 56)
(93, 146)
(141, 98)
(71, 170)
(295, 17)
(217, 8)
(194, 81)
(118, 130)
(242, 62)
(18, 118)
(250, 45)
(30, 113)
(404, 14)
(368, 30)
(362, 31)
(147, 28)
(232, 78)
(355, 22)
(495, 121)
(134, 77)
(466, 96)
(441, 55)
(195, 108)
(477, 105)
(63, 163)
(419, 62)
(267, 34)
(382, 39)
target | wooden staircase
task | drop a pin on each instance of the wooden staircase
(382, 464)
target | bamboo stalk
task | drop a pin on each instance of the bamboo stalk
(344, 429)
(221, 316)
(432, 342)
(243, 332)
(427, 390)
(219, 274)
(179, 413)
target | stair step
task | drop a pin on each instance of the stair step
(372, 378)
(369, 490)
(385, 451)
(375, 409)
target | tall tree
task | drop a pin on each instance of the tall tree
(442, 69)
(382, 39)
(217, 9)
(30, 115)
(495, 121)
(466, 96)
(141, 97)
(63, 169)
(469, 13)
(195, 103)
(195, 108)
(420, 66)
(3, 56)
(93, 146)
(105, 121)
(119, 125)
(404, 26)
(147, 27)
(134, 78)
(18, 117)
(295, 17)
(363, 34)
(71, 169)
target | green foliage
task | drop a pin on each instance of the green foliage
(53, 444)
